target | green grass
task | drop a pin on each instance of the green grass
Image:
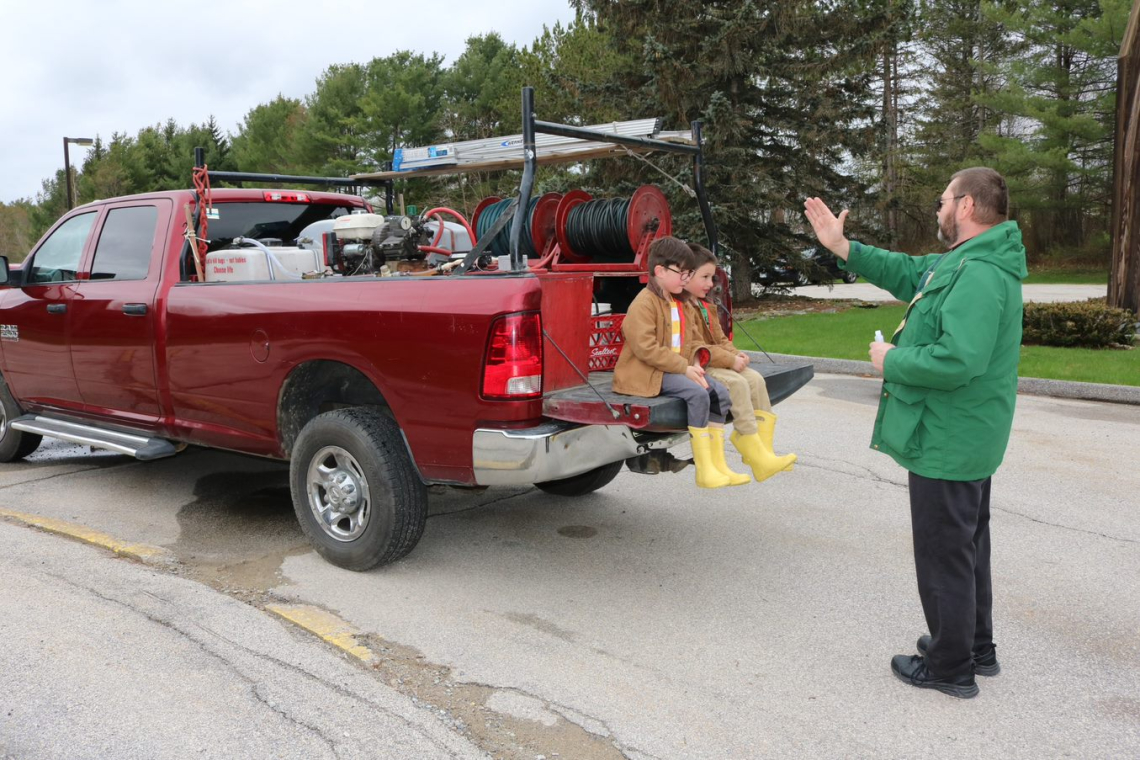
(1067, 277)
(846, 334)
(842, 335)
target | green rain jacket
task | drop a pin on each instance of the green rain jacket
(949, 388)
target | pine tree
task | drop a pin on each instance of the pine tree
(482, 90)
(892, 24)
(960, 47)
(1062, 88)
(16, 230)
(402, 105)
(331, 138)
(782, 88)
(266, 141)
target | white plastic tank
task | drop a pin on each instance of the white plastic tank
(454, 239)
(312, 237)
(253, 264)
(294, 261)
(242, 265)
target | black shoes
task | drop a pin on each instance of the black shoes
(911, 669)
(986, 665)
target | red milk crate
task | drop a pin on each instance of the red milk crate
(606, 342)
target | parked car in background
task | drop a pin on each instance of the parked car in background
(818, 266)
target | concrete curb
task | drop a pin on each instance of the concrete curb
(1117, 394)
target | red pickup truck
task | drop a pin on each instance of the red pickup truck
(372, 387)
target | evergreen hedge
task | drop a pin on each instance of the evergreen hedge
(1083, 324)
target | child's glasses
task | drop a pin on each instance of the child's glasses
(685, 273)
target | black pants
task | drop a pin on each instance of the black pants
(950, 520)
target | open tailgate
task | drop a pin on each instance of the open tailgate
(599, 405)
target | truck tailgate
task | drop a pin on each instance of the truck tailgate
(599, 405)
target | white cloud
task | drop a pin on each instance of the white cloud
(121, 65)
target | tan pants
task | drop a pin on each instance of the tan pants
(748, 393)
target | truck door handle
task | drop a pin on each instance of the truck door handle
(56, 308)
(134, 309)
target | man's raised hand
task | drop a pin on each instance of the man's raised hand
(828, 227)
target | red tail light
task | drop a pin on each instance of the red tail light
(512, 366)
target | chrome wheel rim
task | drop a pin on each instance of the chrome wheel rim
(338, 494)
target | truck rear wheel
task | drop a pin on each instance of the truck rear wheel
(14, 444)
(356, 493)
(587, 482)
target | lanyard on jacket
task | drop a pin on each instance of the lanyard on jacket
(705, 311)
(923, 282)
(677, 325)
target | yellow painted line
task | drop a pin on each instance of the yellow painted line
(88, 535)
(326, 625)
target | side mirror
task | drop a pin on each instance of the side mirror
(5, 278)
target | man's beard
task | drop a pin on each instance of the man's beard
(948, 232)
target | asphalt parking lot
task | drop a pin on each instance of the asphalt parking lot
(653, 620)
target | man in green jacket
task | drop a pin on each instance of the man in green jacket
(946, 408)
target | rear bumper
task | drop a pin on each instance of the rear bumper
(556, 450)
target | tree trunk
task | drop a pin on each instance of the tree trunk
(890, 126)
(1124, 277)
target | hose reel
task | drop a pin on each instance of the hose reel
(607, 230)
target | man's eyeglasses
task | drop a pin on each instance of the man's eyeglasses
(938, 203)
(685, 273)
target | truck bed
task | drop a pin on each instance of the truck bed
(584, 404)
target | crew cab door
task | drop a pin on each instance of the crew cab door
(113, 312)
(36, 320)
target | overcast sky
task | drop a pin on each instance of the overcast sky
(85, 69)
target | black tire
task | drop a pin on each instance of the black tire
(849, 277)
(587, 482)
(14, 444)
(802, 279)
(361, 453)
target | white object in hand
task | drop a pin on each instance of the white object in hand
(878, 336)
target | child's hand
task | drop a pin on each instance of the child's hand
(697, 375)
(740, 362)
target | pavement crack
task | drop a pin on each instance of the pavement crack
(869, 475)
(100, 468)
(1065, 527)
(253, 684)
(481, 504)
(257, 695)
(860, 471)
(500, 731)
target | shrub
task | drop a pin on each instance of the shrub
(1084, 324)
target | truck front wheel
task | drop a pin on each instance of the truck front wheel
(14, 444)
(587, 482)
(356, 493)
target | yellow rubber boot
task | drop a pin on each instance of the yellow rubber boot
(708, 476)
(734, 478)
(756, 455)
(766, 422)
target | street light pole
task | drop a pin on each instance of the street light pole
(67, 165)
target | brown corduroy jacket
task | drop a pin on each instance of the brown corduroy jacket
(722, 353)
(646, 356)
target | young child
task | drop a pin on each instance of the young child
(657, 330)
(752, 419)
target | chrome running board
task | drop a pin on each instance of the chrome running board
(137, 446)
